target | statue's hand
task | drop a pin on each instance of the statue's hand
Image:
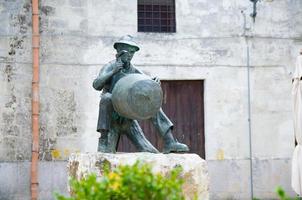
(156, 79)
(118, 66)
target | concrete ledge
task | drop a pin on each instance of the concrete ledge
(195, 170)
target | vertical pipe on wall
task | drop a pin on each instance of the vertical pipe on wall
(249, 116)
(245, 28)
(35, 100)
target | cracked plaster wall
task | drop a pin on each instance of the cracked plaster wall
(76, 40)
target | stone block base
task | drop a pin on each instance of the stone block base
(195, 170)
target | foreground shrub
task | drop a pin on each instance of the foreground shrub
(283, 196)
(136, 182)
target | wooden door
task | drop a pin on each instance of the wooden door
(183, 104)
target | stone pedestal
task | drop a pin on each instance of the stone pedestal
(195, 170)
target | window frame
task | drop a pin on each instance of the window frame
(156, 16)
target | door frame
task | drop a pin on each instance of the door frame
(180, 73)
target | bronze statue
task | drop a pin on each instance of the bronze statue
(116, 118)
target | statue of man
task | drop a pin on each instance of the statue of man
(111, 124)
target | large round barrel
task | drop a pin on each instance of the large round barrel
(137, 96)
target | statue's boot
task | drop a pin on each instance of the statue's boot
(105, 144)
(172, 145)
(137, 137)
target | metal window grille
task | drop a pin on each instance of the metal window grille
(156, 16)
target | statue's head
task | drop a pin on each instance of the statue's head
(126, 44)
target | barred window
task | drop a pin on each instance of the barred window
(156, 16)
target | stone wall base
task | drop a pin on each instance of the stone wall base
(195, 171)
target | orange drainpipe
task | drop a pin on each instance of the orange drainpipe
(35, 100)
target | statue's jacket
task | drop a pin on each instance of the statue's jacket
(106, 85)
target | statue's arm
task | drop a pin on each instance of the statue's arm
(156, 79)
(138, 71)
(104, 76)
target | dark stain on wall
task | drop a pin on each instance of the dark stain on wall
(46, 146)
(66, 113)
(8, 72)
(47, 10)
(15, 112)
(8, 117)
(15, 43)
(44, 21)
(12, 102)
(22, 20)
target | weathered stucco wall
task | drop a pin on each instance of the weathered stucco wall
(76, 41)
(15, 80)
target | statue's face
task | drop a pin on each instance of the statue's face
(126, 57)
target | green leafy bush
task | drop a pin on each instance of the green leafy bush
(283, 196)
(136, 182)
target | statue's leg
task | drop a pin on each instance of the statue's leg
(137, 137)
(109, 132)
(164, 126)
(162, 123)
(105, 113)
(108, 142)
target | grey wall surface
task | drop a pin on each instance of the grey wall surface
(76, 41)
(15, 179)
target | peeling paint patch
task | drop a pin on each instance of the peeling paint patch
(47, 145)
(62, 154)
(102, 165)
(56, 154)
(220, 154)
(66, 152)
(73, 168)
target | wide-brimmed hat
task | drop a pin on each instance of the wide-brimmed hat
(128, 39)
